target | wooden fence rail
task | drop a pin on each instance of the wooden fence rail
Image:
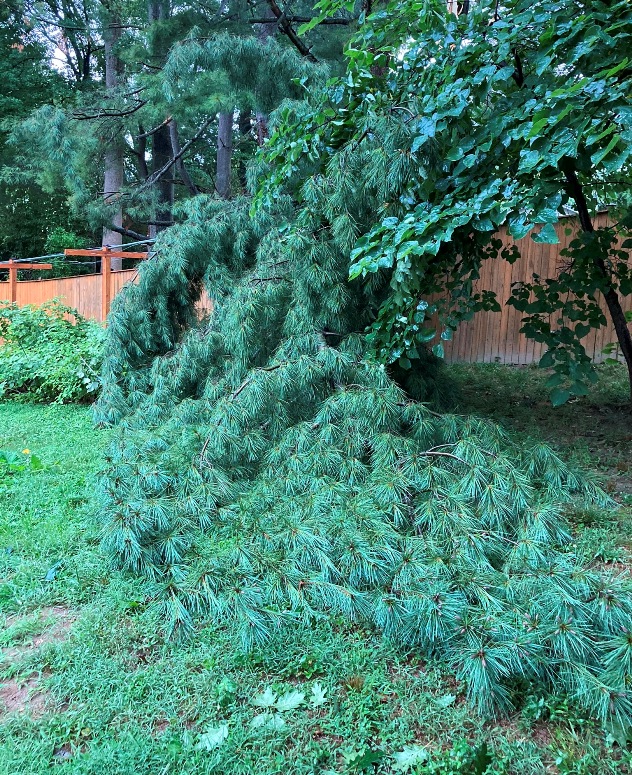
(491, 337)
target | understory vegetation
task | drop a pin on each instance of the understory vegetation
(104, 692)
(49, 353)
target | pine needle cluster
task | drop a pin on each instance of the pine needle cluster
(266, 472)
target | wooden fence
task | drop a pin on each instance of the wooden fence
(83, 292)
(494, 337)
(491, 337)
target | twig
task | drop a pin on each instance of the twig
(154, 130)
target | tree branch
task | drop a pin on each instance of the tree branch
(127, 232)
(155, 176)
(285, 25)
(177, 154)
(154, 130)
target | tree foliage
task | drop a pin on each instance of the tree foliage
(267, 470)
(174, 68)
(509, 115)
(26, 82)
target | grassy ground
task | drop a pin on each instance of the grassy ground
(89, 685)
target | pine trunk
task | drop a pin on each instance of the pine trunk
(224, 154)
(114, 175)
(161, 155)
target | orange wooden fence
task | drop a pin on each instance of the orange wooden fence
(491, 337)
(82, 292)
(494, 337)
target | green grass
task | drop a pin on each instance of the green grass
(116, 698)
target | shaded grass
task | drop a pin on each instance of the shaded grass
(122, 700)
(595, 429)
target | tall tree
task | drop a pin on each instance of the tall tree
(269, 470)
(114, 157)
(27, 214)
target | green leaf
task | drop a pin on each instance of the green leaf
(273, 721)
(547, 235)
(560, 396)
(265, 700)
(409, 757)
(599, 156)
(319, 696)
(363, 760)
(290, 701)
(213, 738)
(51, 573)
(481, 760)
(445, 701)
(438, 350)
(538, 126)
(518, 229)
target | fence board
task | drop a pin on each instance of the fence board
(495, 336)
(491, 337)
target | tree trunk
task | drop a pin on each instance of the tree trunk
(114, 176)
(613, 302)
(224, 154)
(161, 155)
(264, 31)
(176, 151)
(245, 131)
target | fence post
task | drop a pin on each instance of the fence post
(106, 269)
(13, 282)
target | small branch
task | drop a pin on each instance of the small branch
(154, 130)
(285, 25)
(429, 453)
(518, 74)
(127, 232)
(266, 279)
(155, 176)
(109, 113)
(177, 154)
(299, 20)
(248, 380)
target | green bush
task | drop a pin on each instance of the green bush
(49, 353)
(58, 239)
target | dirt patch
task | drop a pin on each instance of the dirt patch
(159, 727)
(24, 695)
(57, 621)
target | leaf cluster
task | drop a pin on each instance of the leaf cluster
(507, 115)
(49, 353)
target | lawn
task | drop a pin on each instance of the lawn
(89, 685)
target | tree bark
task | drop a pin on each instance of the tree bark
(114, 175)
(177, 154)
(224, 154)
(161, 156)
(264, 32)
(158, 10)
(245, 131)
(617, 315)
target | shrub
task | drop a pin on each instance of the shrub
(49, 353)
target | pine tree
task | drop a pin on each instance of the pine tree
(267, 471)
